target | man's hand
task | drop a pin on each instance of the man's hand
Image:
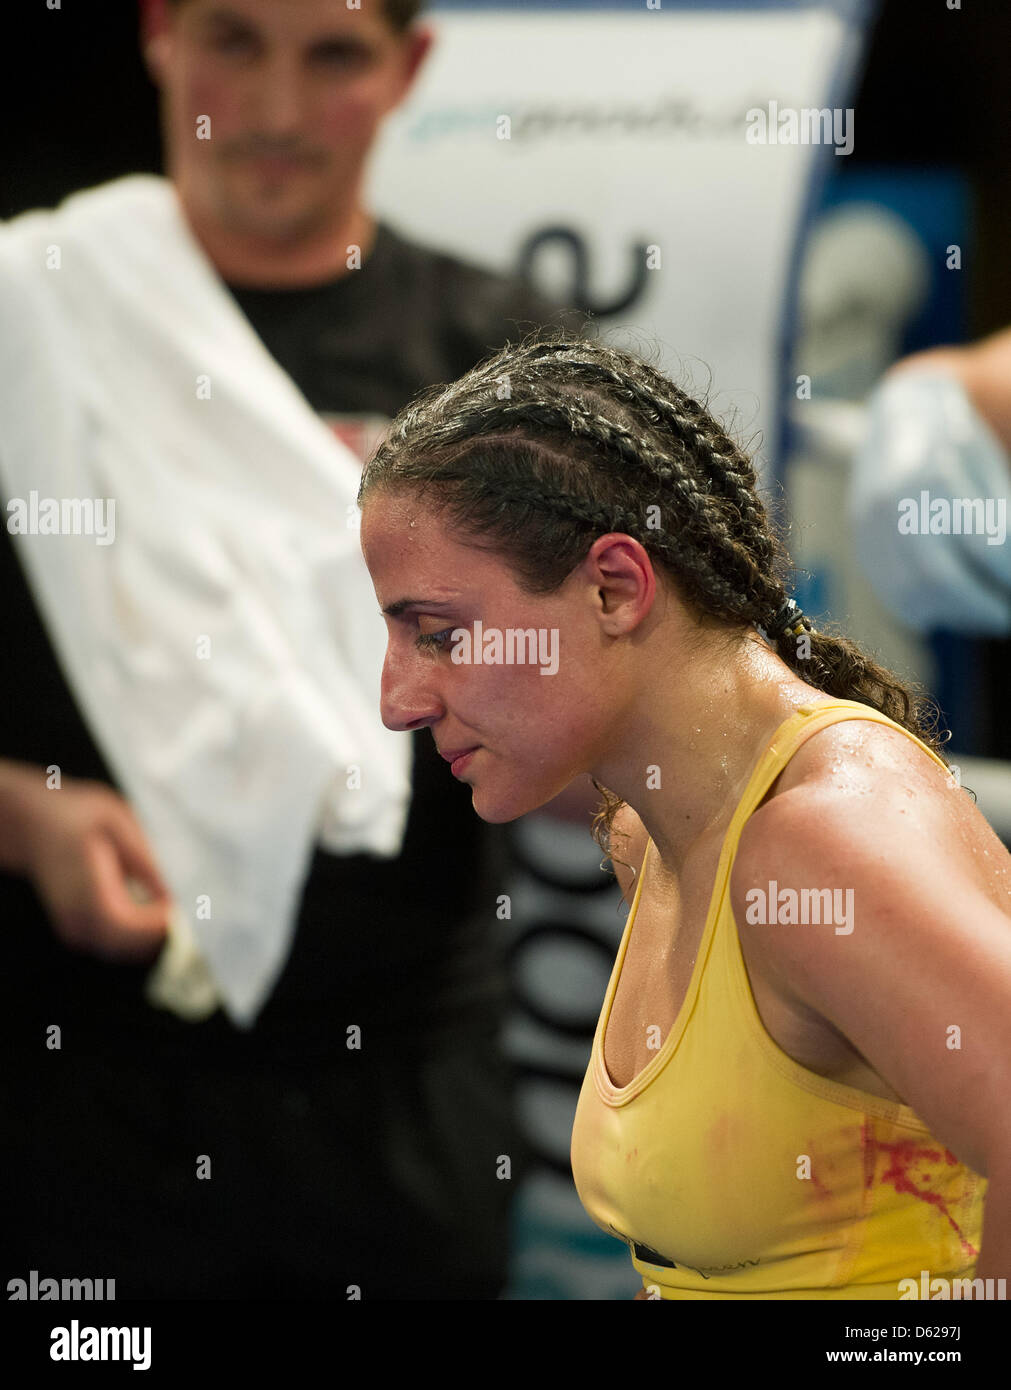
(92, 867)
(983, 368)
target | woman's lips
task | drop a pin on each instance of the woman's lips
(459, 758)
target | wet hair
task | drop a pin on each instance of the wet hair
(559, 439)
(400, 14)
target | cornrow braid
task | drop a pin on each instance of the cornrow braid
(558, 439)
(600, 519)
(698, 525)
(729, 472)
(727, 467)
(722, 563)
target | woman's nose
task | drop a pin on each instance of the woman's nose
(407, 700)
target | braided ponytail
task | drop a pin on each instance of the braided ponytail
(559, 439)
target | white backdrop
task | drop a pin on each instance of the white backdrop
(629, 130)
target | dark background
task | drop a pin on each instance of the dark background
(935, 92)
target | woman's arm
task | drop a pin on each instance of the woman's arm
(921, 985)
(995, 1251)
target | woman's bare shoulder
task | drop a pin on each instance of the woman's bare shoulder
(863, 778)
(864, 757)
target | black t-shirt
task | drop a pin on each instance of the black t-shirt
(407, 943)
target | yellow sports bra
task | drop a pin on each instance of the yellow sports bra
(730, 1170)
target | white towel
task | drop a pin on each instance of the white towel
(226, 647)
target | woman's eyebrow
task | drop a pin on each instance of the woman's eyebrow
(394, 610)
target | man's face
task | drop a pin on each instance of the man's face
(290, 93)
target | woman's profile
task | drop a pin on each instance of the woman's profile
(799, 1081)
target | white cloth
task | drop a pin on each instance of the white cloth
(226, 647)
(926, 449)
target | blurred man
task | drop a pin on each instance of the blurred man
(931, 492)
(351, 1136)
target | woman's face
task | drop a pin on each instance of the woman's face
(465, 654)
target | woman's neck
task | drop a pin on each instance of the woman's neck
(688, 746)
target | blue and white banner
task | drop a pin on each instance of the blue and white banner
(655, 165)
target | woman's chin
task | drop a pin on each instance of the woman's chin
(494, 813)
(499, 810)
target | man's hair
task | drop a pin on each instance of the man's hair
(400, 14)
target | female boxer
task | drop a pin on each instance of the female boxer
(799, 1082)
